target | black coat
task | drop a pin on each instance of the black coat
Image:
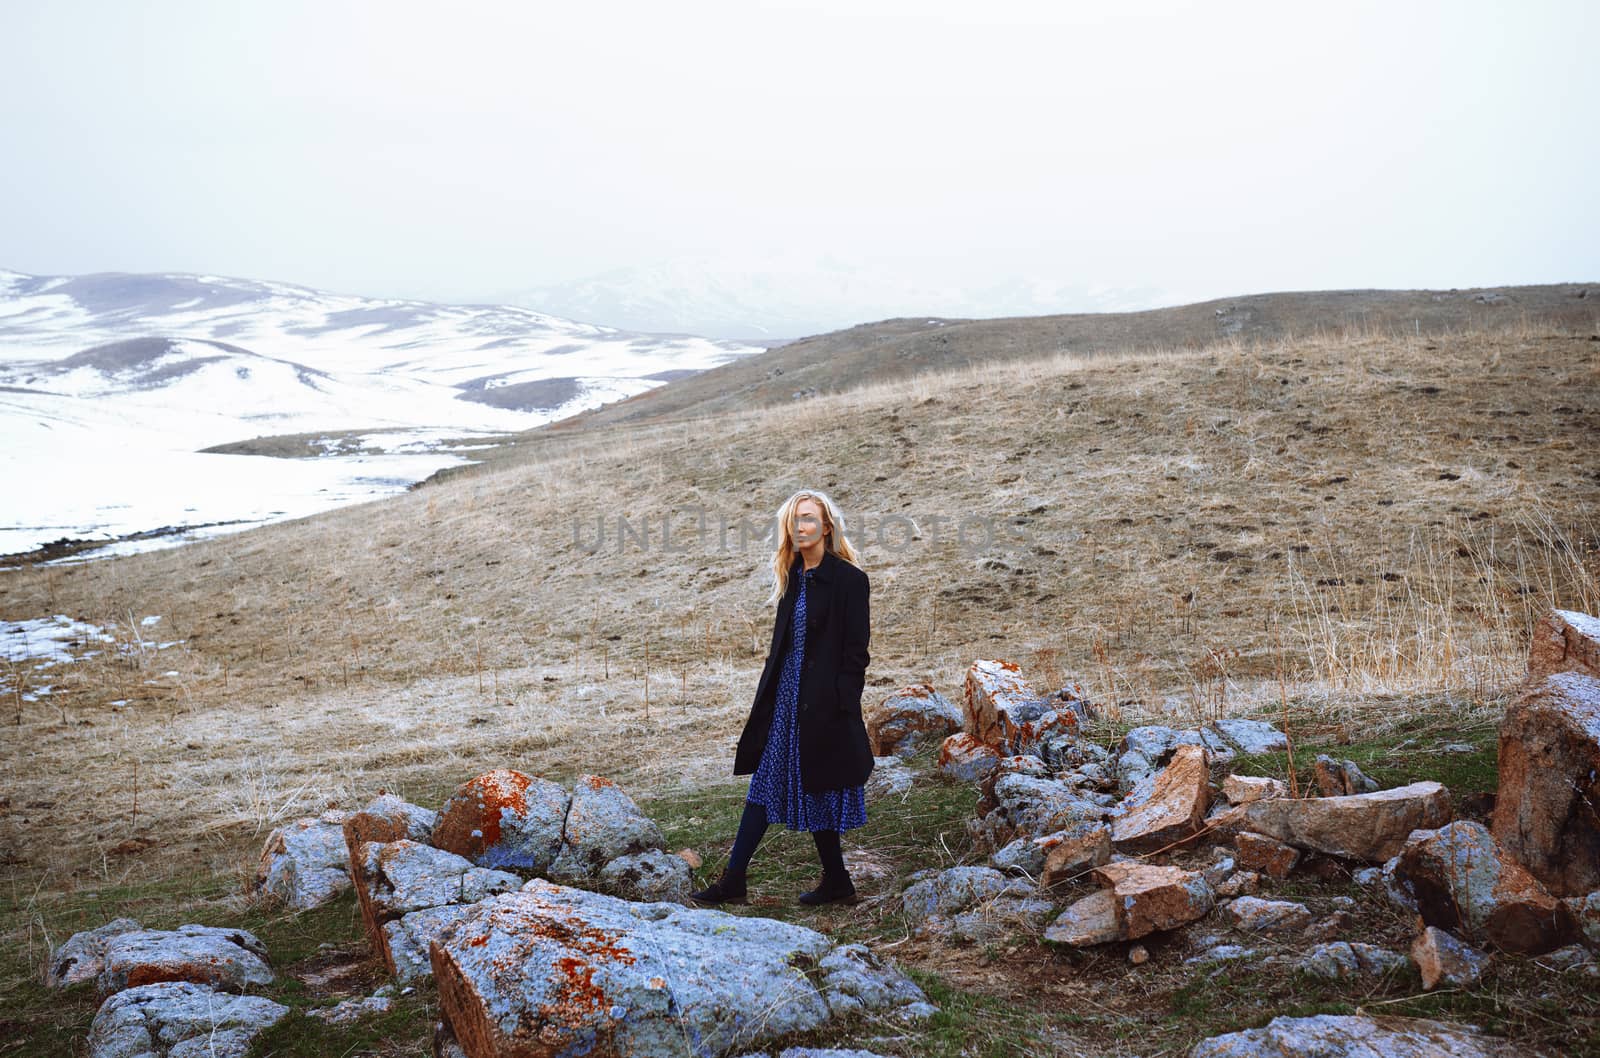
(834, 751)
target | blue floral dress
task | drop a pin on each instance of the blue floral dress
(776, 783)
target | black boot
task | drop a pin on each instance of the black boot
(729, 888)
(832, 887)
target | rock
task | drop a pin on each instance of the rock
(1370, 827)
(1222, 866)
(1016, 764)
(1091, 920)
(352, 1010)
(388, 818)
(889, 778)
(306, 863)
(1329, 928)
(1145, 749)
(1004, 916)
(964, 759)
(1033, 807)
(602, 824)
(909, 719)
(1138, 954)
(1242, 789)
(1149, 898)
(1265, 855)
(1564, 641)
(1074, 851)
(404, 876)
(995, 699)
(1442, 959)
(1340, 778)
(1240, 883)
(1250, 737)
(1585, 911)
(1022, 856)
(930, 903)
(1367, 877)
(1169, 808)
(1357, 1036)
(1344, 959)
(1220, 953)
(1052, 737)
(691, 857)
(180, 1019)
(1255, 915)
(650, 876)
(445, 1044)
(1573, 958)
(1396, 889)
(504, 819)
(226, 959)
(83, 956)
(556, 970)
(405, 940)
(1545, 811)
(1463, 880)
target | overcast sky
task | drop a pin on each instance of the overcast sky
(461, 151)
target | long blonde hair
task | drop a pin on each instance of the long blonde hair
(784, 555)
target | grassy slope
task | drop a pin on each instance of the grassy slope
(1379, 519)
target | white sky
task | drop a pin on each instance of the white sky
(461, 151)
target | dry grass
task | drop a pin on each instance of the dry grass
(1328, 524)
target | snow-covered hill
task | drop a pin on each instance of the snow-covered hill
(794, 297)
(110, 385)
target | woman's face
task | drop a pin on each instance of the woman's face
(808, 519)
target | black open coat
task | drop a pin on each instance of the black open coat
(834, 752)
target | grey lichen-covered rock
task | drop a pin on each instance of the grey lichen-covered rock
(1020, 856)
(930, 903)
(405, 941)
(963, 758)
(1358, 1036)
(504, 819)
(389, 818)
(1343, 959)
(227, 959)
(1586, 912)
(650, 876)
(1145, 750)
(83, 956)
(306, 863)
(1004, 916)
(602, 824)
(909, 719)
(1091, 920)
(552, 969)
(1028, 806)
(353, 1010)
(179, 1019)
(890, 778)
(405, 876)
(1444, 959)
(1255, 915)
(1250, 737)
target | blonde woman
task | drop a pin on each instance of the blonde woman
(804, 744)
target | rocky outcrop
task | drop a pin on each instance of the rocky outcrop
(1370, 827)
(1029, 806)
(226, 959)
(1545, 812)
(1462, 879)
(909, 719)
(504, 819)
(1168, 808)
(306, 863)
(180, 1020)
(1358, 1036)
(554, 970)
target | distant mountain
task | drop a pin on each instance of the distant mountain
(792, 299)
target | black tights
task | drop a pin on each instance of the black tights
(753, 825)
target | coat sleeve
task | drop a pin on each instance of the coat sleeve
(854, 659)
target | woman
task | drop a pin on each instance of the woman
(804, 744)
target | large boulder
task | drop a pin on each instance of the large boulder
(227, 959)
(1168, 808)
(405, 940)
(1370, 827)
(1462, 879)
(555, 970)
(83, 956)
(909, 719)
(180, 1019)
(1564, 641)
(400, 877)
(305, 864)
(995, 701)
(504, 819)
(1545, 812)
(603, 823)
(1358, 1036)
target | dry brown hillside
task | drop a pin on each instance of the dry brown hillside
(1375, 520)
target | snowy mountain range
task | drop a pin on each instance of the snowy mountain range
(793, 297)
(111, 384)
